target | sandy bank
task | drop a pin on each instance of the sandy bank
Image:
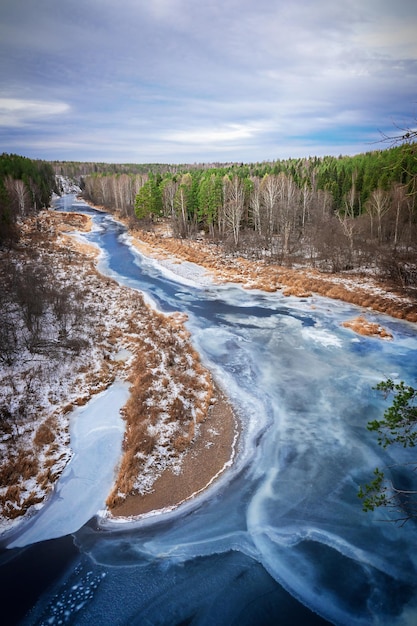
(207, 457)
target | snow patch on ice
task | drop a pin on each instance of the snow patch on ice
(321, 336)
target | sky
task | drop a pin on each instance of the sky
(184, 81)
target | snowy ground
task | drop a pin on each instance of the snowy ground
(88, 332)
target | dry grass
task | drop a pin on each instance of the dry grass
(22, 465)
(183, 441)
(296, 282)
(63, 221)
(362, 326)
(45, 434)
(297, 290)
(138, 444)
(165, 361)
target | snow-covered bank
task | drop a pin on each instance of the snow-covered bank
(183, 271)
(67, 330)
(101, 331)
(96, 431)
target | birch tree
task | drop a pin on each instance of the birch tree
(234, 202)
(181, 203)
(347, 216)
(378, 205)
(19, 195)
(270, 193)
(289, 196)
(169, 190)
(255, 204)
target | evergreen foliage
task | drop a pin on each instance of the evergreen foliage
(25, 186)
(340, 213)
(398, 426)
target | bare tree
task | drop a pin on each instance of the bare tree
(398, 201)
(403, 135)
(181, 201)
(234, 202)
(347, 215)
(103, 185)
(18, 194)
(377, 206)
(289, 198)
(169, 190)
(270, 195)
(255, 203)
(123, 184)
(23, 196)
(306, 201)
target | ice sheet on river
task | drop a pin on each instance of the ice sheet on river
(304, 392)
(96, 436)
(303, 387)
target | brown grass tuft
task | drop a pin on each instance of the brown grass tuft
(362, 326)
(182, 442)
(44, 435)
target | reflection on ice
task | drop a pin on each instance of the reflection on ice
(321, 336)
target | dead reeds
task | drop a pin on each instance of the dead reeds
(170, 394)
(362, 326)
(301, 283)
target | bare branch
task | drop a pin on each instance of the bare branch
(403, 135)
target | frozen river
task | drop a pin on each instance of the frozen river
(281, 538)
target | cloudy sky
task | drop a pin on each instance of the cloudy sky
(184, 81)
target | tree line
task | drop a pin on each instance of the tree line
(336, 213)
(25, 186)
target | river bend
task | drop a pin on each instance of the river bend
(281, 538)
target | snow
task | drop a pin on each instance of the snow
(96, 434)
(305, 396)
(113, 324)
(66, 185)
(112, 343)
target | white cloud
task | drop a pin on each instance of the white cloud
(227, 133)
(17, 112)
(177, 77)
(164, 9)
(390, 36)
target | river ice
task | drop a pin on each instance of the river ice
(282, 537)
(96, 437)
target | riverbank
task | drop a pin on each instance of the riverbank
(177, 421)
(360, 290)
(363, 290)
(207, 457)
